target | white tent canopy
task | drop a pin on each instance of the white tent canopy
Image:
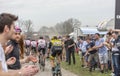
(88, 30)
(71, 34)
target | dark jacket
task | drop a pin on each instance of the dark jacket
(15, 53)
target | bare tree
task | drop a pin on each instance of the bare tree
(62, 28)
(29, 27)
(67, 26)
(26, 26)
(44, 31)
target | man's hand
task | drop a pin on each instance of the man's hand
(94, 47)
(86, 54)
(29, 70)
(31, 58)
(69, 46)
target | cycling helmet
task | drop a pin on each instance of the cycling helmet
(17, 29)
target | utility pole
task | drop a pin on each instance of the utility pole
(117, 14)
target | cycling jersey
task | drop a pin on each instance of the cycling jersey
(33, 43)
(56, 42)
(41, 43)
(56, 45)
(27, 42)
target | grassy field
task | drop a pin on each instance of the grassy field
(77, 69)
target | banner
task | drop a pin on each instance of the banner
(117, 14)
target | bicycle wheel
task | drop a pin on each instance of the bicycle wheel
(27, 52)
(41, 63)
(43, 69)
(56, 74)
(53, 74)
(60, 74)
(32, 52)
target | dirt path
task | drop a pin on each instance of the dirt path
(48, 72)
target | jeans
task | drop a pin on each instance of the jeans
(116, 64)
(71, 51)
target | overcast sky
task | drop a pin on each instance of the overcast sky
(50, 12)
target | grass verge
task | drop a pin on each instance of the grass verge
(80, 71)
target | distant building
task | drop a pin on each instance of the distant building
(83, 31)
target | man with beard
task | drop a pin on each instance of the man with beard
(7, 29)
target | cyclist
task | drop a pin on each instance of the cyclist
(49, 44)
(42, 47)
(27, 45)
(7, 26)
(33, 46)
(56, 51)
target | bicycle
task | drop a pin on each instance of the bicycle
(57, 69)
(27, 52)
(33, 51)
(41, 61)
